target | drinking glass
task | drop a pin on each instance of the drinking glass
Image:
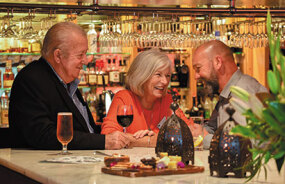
(198, 132)
(125, 116)
(64, 130)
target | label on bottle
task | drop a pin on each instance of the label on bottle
(4, 118)
(115, 76)
(82, 78)
(92, 79)
(7, 83)
(100, 80)
(92, 43)
(174, 84)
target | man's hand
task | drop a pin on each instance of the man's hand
(116, 140)
(142, 133)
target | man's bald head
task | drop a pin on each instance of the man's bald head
(213, 48)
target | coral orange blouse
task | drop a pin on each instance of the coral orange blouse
(143, 119)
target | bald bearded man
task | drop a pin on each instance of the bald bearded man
(214, 64)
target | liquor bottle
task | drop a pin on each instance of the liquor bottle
(4, 109)
(199, 85)
(207, 108)
(114, 75)
(100, 108)
(99, 72)
(177, 65)
(92, 39)
(214, 101)
(8, 75)
(194, 110)
(105, 74)
(91, 101)
(123, 72)
(200, 106)
(184, 75)
(83, 77)
(174, 81)
(92, 77)
(21, 65)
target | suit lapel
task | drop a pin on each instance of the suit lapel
(67, 99)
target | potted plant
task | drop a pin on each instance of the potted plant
(265, 112)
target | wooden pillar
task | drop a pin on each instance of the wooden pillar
(260, 64)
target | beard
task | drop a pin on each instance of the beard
(211, 84)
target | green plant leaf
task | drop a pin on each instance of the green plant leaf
(240, 93)
(279, 155)
(267, 157)
(255, 152)
(273, 82)
(277, 110)
(282, 67)
(272, 122)
(277, 49)
(249, 114)
(271, 42)
(256, 106)
(244, 131)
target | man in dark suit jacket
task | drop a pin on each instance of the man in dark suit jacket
(48, 86)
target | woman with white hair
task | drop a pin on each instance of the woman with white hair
(146, 90)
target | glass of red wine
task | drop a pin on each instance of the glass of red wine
(125, 116)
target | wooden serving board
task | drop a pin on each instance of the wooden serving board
(152, 172)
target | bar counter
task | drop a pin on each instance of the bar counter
(28, 163)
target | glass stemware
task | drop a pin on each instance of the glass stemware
(64, 130)
(125, 116)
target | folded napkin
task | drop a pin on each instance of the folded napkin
(74, 160)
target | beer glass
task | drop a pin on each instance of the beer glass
(64, 130)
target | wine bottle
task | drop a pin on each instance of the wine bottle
(92, 77)
(194, 110)
(114, 74)
(201, 110)
(184, 75)
(100, 108)
(174, 81)
(123, 72)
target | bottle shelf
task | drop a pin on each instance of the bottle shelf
(18, 54)
(5, 89)
(37, 54)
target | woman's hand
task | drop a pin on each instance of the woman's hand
(142, 133)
